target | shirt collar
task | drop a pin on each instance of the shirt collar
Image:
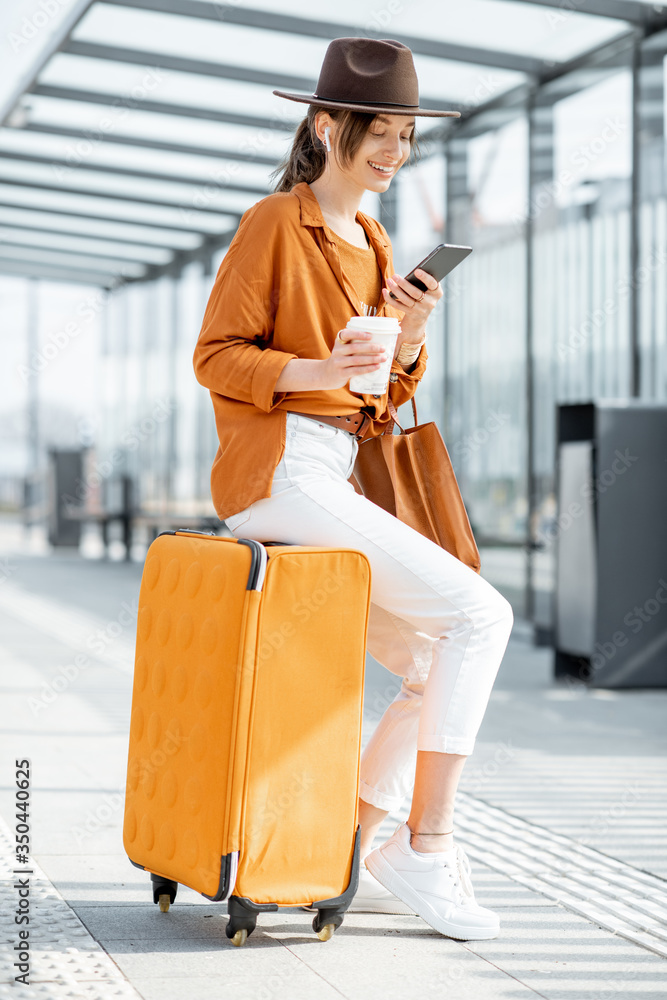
(311, 214)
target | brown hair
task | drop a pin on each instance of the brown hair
(307, 157)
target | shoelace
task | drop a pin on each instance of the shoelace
(459, 872)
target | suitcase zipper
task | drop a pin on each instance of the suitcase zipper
(257, 563)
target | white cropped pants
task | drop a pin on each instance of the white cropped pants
(434, 622)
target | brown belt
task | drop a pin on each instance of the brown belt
(355, 424)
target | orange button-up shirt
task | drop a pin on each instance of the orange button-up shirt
(280, 293)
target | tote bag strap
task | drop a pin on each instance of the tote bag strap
(393, 413)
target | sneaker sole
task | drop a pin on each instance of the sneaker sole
(391, 880)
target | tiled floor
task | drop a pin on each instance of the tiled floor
(589, 767)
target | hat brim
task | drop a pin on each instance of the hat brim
(374, 109)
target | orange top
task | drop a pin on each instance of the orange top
(280, 293)
(361, 265)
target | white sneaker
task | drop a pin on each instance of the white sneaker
(437, 888)
(372, 897)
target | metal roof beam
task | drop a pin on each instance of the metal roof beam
(162, 107)
(163, 226)
(132, 199)
(144, 57)
(78, 234)
(599, 57)
(93, 254)
(53, 272)
(62, 32)
(90, 135)
(268, 21)
(620, 10)
(181, 260)
(180, 64)
(75, 258)
(150, 175)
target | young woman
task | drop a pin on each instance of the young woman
(276, 357)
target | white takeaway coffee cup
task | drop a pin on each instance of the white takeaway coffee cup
(385, 331)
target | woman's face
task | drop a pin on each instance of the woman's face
(383, 151)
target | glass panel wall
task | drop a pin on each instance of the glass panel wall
(419, 200)
(485, 398)
(543, 311)
(580, 212)
(157, 424)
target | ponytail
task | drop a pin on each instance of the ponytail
(306, 159)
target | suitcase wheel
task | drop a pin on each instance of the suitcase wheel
(242, 919)
(164, 892)
(240, 937)
(326, 932)
(326, 921)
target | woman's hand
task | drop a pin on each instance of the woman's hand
(350, 357)
(418, 305)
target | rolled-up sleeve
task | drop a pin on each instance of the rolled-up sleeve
(232, 356)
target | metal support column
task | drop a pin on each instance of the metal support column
(531, 482)
(389, 209)
(172, 450)
(33, 487)
(635, 352)
(456, 231)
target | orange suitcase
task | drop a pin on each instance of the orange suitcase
(245, 737)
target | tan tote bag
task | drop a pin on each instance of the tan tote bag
(410, 475)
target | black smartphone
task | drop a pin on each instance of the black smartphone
(439, 263)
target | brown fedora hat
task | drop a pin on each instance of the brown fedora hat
(375, 75)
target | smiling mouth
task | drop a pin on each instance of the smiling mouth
(382, 169)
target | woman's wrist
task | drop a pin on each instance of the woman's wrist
(409, 351)
(301, 374)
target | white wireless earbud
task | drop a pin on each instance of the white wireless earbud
(327, 140)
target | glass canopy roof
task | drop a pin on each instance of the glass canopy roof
(150, 126)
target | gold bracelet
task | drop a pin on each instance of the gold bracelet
(409, 353)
